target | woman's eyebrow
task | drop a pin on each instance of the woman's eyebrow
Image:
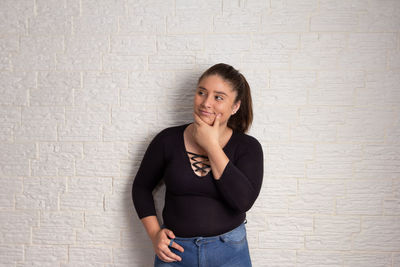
(217, 92)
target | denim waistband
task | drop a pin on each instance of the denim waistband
(224, 236)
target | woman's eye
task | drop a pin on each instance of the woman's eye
(218, 97)
(201, 93)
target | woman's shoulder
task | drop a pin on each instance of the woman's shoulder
(246, 139)
(171, 132)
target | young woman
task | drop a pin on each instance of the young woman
(213, 174)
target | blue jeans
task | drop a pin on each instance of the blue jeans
(226, 250)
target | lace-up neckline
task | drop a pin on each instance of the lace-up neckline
(200, 163)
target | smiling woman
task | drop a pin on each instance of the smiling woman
(213, 174)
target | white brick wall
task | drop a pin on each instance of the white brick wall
(86, 84)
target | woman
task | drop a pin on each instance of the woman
(213, 174)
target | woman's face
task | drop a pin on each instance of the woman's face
(215, 96)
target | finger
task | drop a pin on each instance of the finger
(170, 234)
(165, 258)
(216, 120)
(172, 255)
(197, 119)
(177, 246)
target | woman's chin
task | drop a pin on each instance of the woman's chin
(207, 119)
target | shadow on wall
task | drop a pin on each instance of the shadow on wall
(179, 111)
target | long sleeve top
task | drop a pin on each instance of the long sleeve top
(194, 205)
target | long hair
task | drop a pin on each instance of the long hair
(242, 119)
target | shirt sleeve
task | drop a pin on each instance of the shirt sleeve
(241, 180)
(149, 174)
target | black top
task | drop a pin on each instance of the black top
(194, 205)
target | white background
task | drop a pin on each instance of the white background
(86, 84)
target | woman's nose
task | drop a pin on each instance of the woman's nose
(207, 101)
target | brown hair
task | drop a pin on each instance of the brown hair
(242, 119)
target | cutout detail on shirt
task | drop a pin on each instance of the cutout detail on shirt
(200, 163)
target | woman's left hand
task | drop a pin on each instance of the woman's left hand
(206, 136)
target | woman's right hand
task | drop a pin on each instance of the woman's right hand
(161, 242)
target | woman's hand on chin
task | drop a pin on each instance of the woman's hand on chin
(206, 135)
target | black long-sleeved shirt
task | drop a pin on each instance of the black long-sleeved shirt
(194, 205)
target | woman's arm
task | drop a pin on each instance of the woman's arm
(240, 182)
(161, 239)
(149, 174)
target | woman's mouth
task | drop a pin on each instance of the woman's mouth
(205, 113)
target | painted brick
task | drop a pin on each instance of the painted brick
(76, 201)
(46, 254)
(15, 158)
(96, 255)
(182, 44)
(56, 159)
(378, 162)
(291, 224)
(47, 7)
(373, 41)
(237, 20)
(373, 121)
(334, 161)
(150, 8)
(345, 21)
(273, 257)
(396, 258)
(337, 224)
(393, 59)
(359, 205)
(367, 59)
(113, 62)
(311, 204)
(103, 8)
(5, 61)
(12, 16)
(11, 254)
(14, 89)
(319, 258)
(167, 62)
(124, 257)
(16, 226)
(322, 187)
(335, 5)
(143, 23)
(41, 193)
(106, 235)
(267, 60)
(55, 88)
(69, 219)
(78, 62)
(288, 160)
(9, 43)
(86, 85)
(190, 22)
(50, 24)
(204, 60)
(93, 24)
(377, 242)
(133, 45)
(382, 82)
(281, 240)
(53, 235)
(391, 206)
(380, 18)
(380, 225)
(329, 242)
(11, 185)
(367, 259)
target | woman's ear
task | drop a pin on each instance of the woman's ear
(236, 107)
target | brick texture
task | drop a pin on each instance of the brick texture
(86, 84)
